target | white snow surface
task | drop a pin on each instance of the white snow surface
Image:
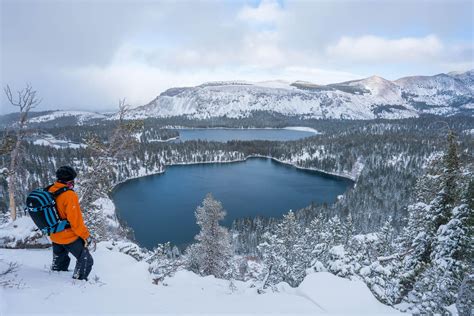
(302, 129)
(119, 284)
(82, 116)
(51, 141)
(20, 232)
(340, 296)
(240, 100)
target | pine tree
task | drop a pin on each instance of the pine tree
(452, 255)
(428, 185)
(465, 299)
(333, 232)
(163, 262)
(349, 229)
(270, 253)
(212, 252)
(313, 239)
(386, 237)
(438, 242)
(284, 252)
(448, 196)
(291, 235)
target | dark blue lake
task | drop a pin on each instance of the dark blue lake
(160, 208)
(224, 135)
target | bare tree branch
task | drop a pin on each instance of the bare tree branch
(107, 154)
(11, 267)
(26, 100)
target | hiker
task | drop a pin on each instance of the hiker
(76, 238)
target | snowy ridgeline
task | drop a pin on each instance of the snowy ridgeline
(120, 284)
(369, 98)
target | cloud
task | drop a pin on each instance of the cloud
(267, 11)
(87, 54)
(254, 49)
(370, 48)
(318, 75)
(139, 83)
(58, 33)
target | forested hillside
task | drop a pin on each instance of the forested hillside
(403, 227)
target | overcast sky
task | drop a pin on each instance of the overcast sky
(89, 54)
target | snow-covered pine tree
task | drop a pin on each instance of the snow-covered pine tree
(313, 242)
(269, 252)
(349, 229)
(323, 236)
(417, 248)
(333, 232)
(284, 252)
(380, 262)
(212, 252)
(449, 194)
(386, 237)
(453, 249)
(427, 186)
(291, 234)
(465, 299)
(440, 252)
(163, 262)
(452, 256)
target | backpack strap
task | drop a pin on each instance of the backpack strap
(55, 195)
(59, 191)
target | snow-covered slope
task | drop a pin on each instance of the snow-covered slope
(465, 77)
(121, 285)
(368, 98)
(382, 90)
(231, 100)
(440, 94)
(80, 116)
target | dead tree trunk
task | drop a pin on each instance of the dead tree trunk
(25, 100)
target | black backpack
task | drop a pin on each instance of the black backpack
(41, 205)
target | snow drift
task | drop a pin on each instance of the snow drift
(120, 284)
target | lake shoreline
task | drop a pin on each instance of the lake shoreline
(291, 128)
(217, 171)
(115, 186)
(287, 163)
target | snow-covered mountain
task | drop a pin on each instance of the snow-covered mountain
(369, 98)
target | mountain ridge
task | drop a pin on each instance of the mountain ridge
(368, 98)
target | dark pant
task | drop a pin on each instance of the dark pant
(84, 259)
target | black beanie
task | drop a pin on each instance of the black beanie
(66, 173)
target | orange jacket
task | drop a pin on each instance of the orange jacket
(68, 207)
